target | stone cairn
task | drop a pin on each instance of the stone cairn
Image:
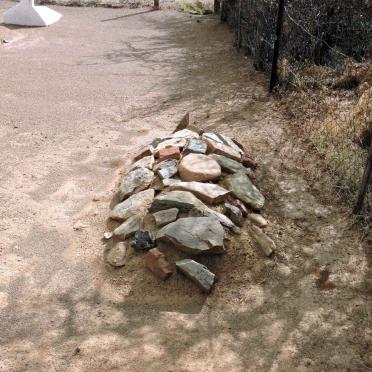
(168, 194)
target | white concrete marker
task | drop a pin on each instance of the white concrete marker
(27, 14)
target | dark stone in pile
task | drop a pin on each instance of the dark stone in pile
(143, 240)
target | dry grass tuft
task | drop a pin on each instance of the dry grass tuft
(335, 109)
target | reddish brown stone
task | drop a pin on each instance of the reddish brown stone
(241, 206)
(248, 161)
(147, 151)
(157, 264)
(198, 167)
(165, 153)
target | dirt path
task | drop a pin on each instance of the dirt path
(75, 101)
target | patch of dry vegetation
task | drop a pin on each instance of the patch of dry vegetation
(333, 109)
(195, 7)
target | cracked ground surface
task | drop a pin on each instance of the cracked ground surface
(76, 100)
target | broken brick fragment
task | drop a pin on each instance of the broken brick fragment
(248, 161)
(165, 153)
(238, 203)
(155, 261)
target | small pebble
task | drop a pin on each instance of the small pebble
(108, 235)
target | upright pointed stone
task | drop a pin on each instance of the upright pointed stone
(185, 122)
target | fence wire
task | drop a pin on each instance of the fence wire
(321, 35)
(322, 32)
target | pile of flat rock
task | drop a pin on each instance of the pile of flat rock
(186, 191)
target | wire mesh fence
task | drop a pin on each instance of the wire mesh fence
(322, 32)
(318, 38)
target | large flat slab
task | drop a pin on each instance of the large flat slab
(207, 192)
(194, 235)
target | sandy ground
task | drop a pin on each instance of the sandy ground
(76, 100)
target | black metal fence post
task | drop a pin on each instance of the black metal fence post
(216, 6)
(239, 25)
(366, 179)
(279, 26)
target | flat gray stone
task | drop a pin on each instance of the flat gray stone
(195, 146)
(182, 200)
(135, 181)
(211, 136)
(221, 218)
(117, 255)
(222, 149)
(194, 235)
(128, 228)
(265, 243)
(242, 188)
(198, 273)
(137, 204)
(166, 216)
(167, 168)
(229, 165)
(207, 192)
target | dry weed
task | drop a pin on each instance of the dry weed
(335, 114)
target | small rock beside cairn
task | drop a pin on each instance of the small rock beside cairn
(168, 195)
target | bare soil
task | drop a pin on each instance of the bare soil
(76, 100)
